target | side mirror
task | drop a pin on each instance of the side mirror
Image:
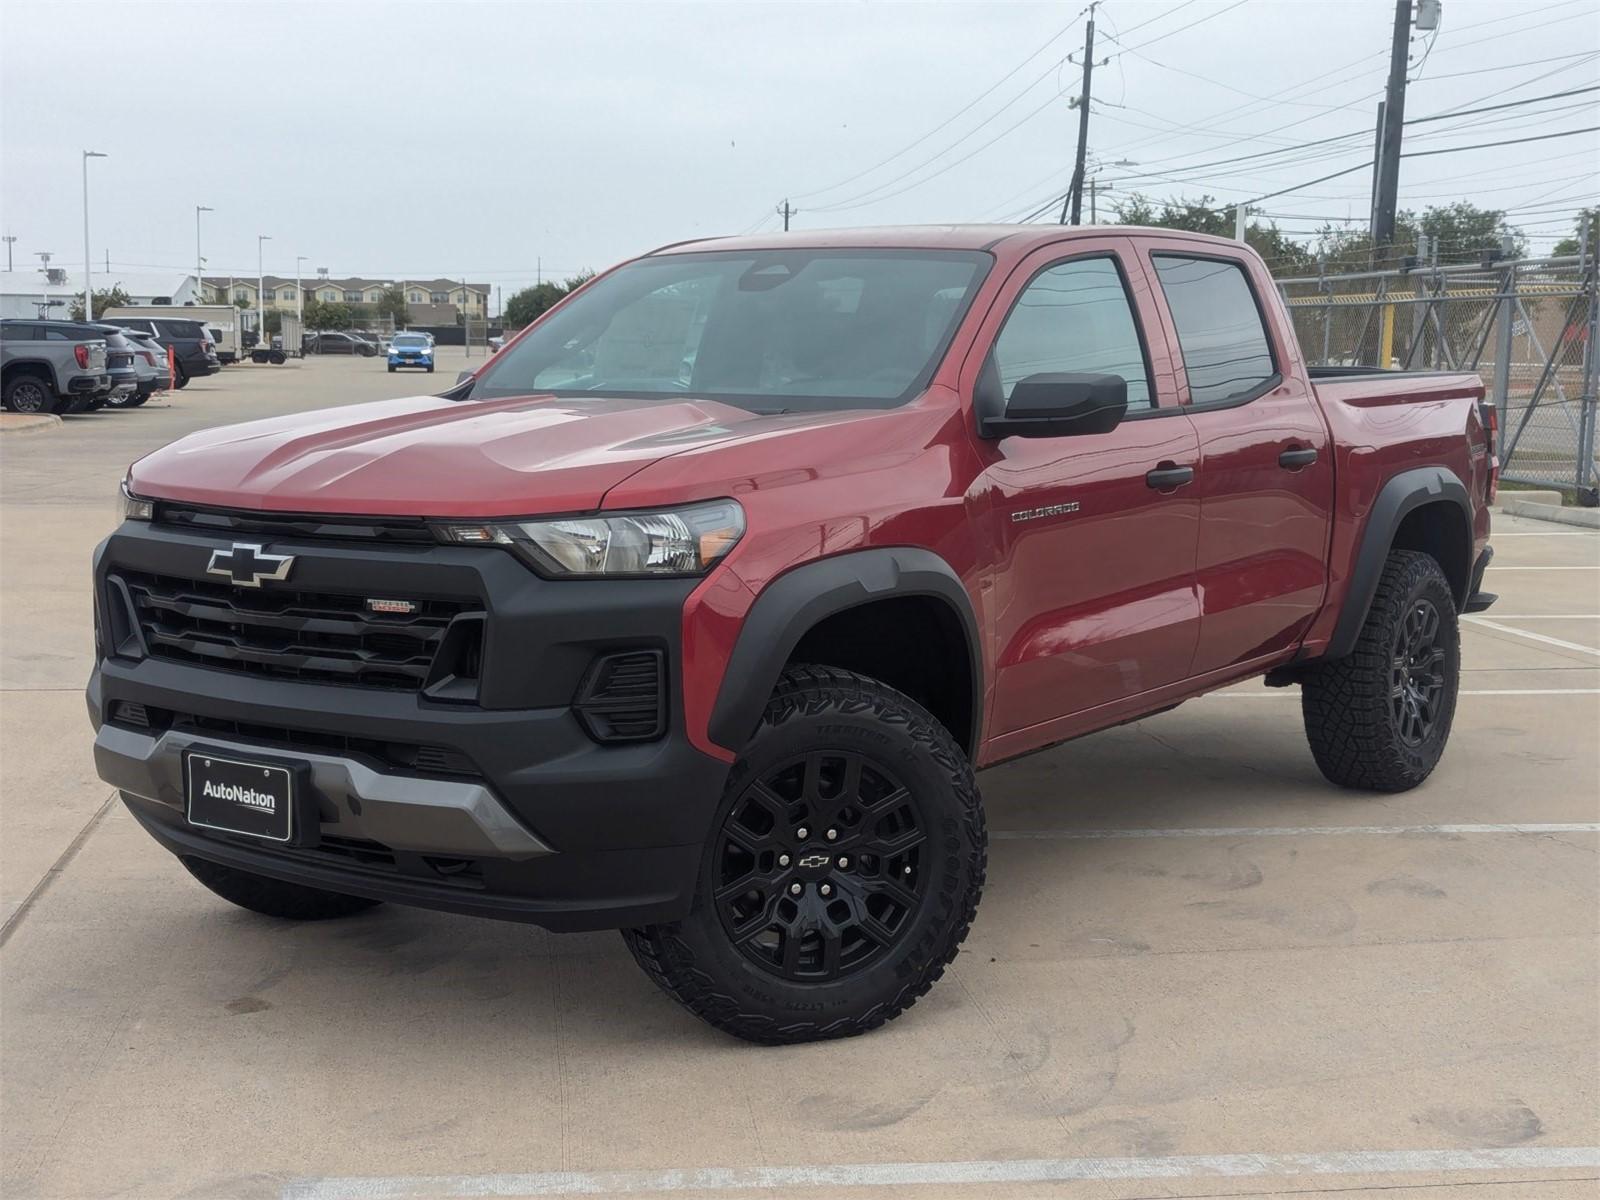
(1061, 404)
(463, 376)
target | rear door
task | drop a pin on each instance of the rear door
(1093, 592)
(1265, 477)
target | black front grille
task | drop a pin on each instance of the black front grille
(321, 637)
(294, 526)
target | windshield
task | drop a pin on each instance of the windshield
(409, 339)
(768, 330)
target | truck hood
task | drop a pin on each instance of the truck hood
(429, 457)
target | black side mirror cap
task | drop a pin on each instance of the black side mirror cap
(1060, 404)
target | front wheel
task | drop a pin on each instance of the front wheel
(844, 868)
(273, 897)
(1379, 718)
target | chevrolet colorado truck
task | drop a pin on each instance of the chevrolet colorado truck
(693, 611)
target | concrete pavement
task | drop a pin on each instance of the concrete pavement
(1198, 970)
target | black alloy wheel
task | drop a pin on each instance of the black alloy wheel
(819, 866)
(1417, 674)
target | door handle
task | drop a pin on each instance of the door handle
(1294, 458)
(1165, 478)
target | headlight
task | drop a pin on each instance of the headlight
(674, 541)
(136, 508)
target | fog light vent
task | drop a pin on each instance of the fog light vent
(623, 698)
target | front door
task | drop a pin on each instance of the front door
(1265, 478)
(1093, 594)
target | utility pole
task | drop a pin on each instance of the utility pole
(199, 262)
(1241, 217)
(88, 264)
(300, 295)
(261, 290)
(9, 239)
(786, 212)
(1386, 185)
(1074, 199)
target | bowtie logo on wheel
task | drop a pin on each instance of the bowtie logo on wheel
(247, 565)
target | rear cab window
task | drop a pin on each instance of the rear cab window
(1222, 334)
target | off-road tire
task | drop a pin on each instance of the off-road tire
(26, 393)
(823, 708)
(1350, 722)
(274, 897)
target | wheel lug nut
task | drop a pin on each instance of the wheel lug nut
(802, 833)
(832, 834)
(826, 890)
(783, 860)
(794, 889)
(906, 871)
(843, 862)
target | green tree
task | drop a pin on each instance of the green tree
(326, 314)
(531, 303)
(1580, 225)
(392, 305)
(274, 322)
(1284, 255)
(1465, 233)
(112, 297)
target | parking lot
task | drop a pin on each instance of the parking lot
(1198, 969)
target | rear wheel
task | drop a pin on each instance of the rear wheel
(274, 897)
(180, 377)
(29, 394)
(127, 400)
(1379, 718)
(843, 872)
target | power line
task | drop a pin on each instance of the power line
(945, 124)
(1542, 137)
(1533, 62)
(1171, 12)
(1211, 16)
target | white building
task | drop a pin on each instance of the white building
(23, 292)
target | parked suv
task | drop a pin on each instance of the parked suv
(121, 356)
(151, 366)
(194, 353)
(51, 366)
(694, 611)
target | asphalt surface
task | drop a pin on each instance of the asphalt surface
(1198, 971)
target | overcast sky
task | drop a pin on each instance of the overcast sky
(425, 139)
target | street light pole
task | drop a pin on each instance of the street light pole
(261, 304)
(199, 263)
(9, 239)
(299, 296)
(88, 262)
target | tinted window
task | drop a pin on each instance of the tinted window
(20, 333)
(54, 333)
(1075, 317)
(139, 323)
(1224, 344)
(183, 329)
(768, 330)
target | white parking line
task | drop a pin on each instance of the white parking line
(1544, 639)
(1498, 567)
(945, 1174)
(1496, 536)
(1548, 616)
(1242, 831)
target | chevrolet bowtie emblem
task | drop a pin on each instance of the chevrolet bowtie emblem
(247, 565)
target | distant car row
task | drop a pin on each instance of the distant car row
(400, 349)
(75, 366)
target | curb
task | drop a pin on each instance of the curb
(1583, 518)
(28, 422)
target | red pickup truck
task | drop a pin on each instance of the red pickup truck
(693, 611)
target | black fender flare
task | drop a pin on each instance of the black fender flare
(798, 599)
(1400, 495)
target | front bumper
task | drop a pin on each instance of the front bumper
(398, 360)
(537, 821)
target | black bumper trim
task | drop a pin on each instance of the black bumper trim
(1478, 599)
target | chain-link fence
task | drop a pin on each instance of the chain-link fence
(1526, 327)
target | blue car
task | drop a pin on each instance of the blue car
(411, 350)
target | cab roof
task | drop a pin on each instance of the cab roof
(1009, 239)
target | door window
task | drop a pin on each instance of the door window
(1074, 317)
(1220, 331)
